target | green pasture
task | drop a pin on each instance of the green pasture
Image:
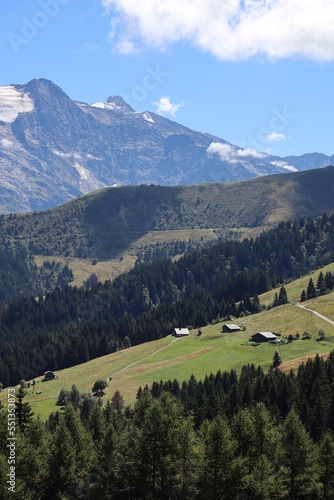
(168, 358)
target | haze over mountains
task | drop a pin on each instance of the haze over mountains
(53, 149)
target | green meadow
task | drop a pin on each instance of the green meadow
(168, 358)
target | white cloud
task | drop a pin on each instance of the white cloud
(291, 168)
(126, 46)
(165, 107)
(6, 143)
(225, 151)
(61, 154)
(284, 164)
(246, 153)
(76, 156)
(230, 29)
(275, 137)
(233, 155)
(92, 157)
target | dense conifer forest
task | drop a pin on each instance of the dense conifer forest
(73, 325)
(252, 436)
(20, 276)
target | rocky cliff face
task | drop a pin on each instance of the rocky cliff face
(53, 149)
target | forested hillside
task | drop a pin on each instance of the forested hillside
(259, 436)
(20, 276)
(148, 302)
(106, 222)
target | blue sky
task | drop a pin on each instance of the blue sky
(259, 74)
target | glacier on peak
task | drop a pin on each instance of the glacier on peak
(13, 102)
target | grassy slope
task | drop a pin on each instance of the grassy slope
(211, 352)
(125, 261)
(294, 289)
(107, 222)
(112, 224)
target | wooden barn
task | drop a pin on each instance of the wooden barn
(231, 328)
(49, 375)
(263, 337)
(180, 332)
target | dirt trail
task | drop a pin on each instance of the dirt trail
(142, 359)
(316, 313)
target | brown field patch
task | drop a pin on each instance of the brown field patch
(294, 363)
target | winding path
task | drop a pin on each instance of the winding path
(316, 313)
(142, 359)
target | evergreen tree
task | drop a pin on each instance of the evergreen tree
(63, 466)
(96, 426)
(303, 296)
(300, 472)
(75, 397)
(311, 291)
(283, 296)
(277, 360)
(187, 460)
(117, 401)
(23, 411)
(219, 452)
(326, 460)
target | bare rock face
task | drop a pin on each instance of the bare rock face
(53, 149)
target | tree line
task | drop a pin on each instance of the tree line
(325, 284)
(73, 325)
(20, 276)
(255, 435)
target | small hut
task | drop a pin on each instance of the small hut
(49, 375)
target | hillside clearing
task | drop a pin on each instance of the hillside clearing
(169, 359)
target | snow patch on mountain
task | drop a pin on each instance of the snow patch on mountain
(148, 118)
(13, 102)
(110, 106)
(83, 172)
(88, 181)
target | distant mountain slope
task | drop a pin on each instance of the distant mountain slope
(52, 149)
(106, 222)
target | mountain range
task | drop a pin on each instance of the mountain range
(53, 149)
(108, 222)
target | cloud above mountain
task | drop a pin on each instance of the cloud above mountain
(166, 107)
(275, 137)
(230, 29)
(232, 154)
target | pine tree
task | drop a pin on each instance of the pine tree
(187, 459)
(219, 452)
(303, 296)
(96, 426)
(23, 412)
(277, 360)
(298, 458)
(283, 296)
(63, 464)
(311, 291)
(75, 397)
(117, 402)
(326, 460)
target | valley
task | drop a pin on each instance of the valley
(168, 358)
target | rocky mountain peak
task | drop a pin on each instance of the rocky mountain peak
(119, 101)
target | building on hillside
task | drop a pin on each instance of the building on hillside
(49, 375)
(263, 337)
(180, 332)
(231, 328)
